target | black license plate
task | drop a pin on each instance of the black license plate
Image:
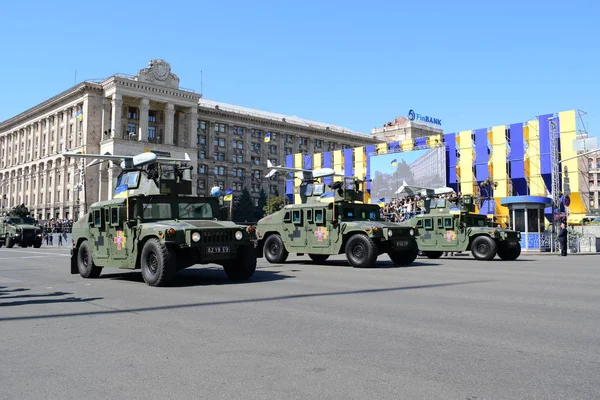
(401, 243)
(513, 244)
(218, 249)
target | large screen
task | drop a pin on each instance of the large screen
(423, 168)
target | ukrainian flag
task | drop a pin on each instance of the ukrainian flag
(381, 202)
(228, 195)
(455, 210)
(268, 137)
(121, 191)
(79, 114)
(394, 162)
(327, 197)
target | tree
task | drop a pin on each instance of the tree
(262, 201)
(274, 204)
(244, 210)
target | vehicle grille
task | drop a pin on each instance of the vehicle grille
(28, 233)
(400, 232)
(212, 237)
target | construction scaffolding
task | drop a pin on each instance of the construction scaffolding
(555, 189)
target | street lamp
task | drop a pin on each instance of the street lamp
(487, 186)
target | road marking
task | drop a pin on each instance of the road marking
(36, 252)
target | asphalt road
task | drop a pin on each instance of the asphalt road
(444, 329)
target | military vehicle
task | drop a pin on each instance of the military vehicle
(332, 219)
(155, 225)
(451, 225)
(20, 229)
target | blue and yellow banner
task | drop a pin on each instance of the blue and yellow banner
(228, 195)
(268, 137)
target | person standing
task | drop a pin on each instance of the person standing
(562, 239)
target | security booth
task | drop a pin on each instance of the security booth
(526, 215)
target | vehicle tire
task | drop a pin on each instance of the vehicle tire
(484, 248)
(404, 257)
(361, 251)
(243, 267)
(275, 251)
(319, 258)
(509, 254)
(9, 242)
(37, 245)
(85, 262)
(434, 255)
(157, 263)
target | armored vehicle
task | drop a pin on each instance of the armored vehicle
(451, 225)
(155, 225)
(20, 229)
(332, 219)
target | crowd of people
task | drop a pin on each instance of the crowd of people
(402, 209)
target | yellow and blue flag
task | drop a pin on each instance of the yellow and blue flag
(268, 137)
(394, 162)
(228, 195)
(455, 210)
(79, 114)
(121, 191)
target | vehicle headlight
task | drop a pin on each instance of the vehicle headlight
(196, 236)
(412, 232)
(390, 233)
(239, 235)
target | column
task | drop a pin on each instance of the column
(169, 123)
(71, 169)
(117, 105)
(19, 147)
(192, 131)
(48, 135)
(30, 191)
(180, 130)
(110, 179)
(143, 129)
(105, 119)
(65, 138)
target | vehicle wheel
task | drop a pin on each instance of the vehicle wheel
(434, 255)
(484, 248)
(37, 245)
(319, 258)
(275, 251)
(361, 251)
(509, 254)
(9, 242)
(85, 263)
(404, 257)
(157, 263)
(244, 265)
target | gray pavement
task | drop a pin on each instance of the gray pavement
(452, 328)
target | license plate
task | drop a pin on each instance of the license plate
(218, 249)
(401, 243)
(514, 244)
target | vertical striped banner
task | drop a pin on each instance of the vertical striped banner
(450, 141)
(348, 162)
(481, 155)
(532, 157)
(407, 145)
(327, 163)
(338, 162)
(298, 175)
(568, 134)
(360, 168)
(369, 150)
(466, 162)
(517, 160)
(499, 171)
(545, 157)
(289, 182)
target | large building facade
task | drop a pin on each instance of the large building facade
(127, 115)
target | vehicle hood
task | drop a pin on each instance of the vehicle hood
(379, 224)
(193, 224)
(27, 226)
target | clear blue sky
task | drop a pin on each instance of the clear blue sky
(350, 63)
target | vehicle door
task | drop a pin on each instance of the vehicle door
(99, 241)
(447, 230)
(119, 234)
(427, 235)
(317, 234)
(294, 232)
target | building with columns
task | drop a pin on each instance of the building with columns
(128, 115)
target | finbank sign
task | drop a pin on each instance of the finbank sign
(424, 118)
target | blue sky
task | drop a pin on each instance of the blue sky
(355, 64)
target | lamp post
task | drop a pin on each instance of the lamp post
(487, 186)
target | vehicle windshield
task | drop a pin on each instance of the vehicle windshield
(157, 209)
(24, 220)
(361, 213)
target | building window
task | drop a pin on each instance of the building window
(151, 116)
(288, 139)
(151, 133)
(202, 154)
(219, 156)
(203, 125)
(237, 186)
(272, 149)
(220, 141)
(202, 169)
(256, 174)
(238, 144)
(289, 151)
(220, 128)
(318, 144)
(273, 136)
(237, 172)
(131, 128)
(302, 141)
(201, 184)
(202, 139)
(255, 133)
(132, 113)
(237, 158)
(255, 160)
(255, 147)
(238, 130)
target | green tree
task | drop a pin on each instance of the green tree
(262, 201)
(244, 210)
(274, 204)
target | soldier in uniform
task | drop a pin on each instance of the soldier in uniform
(562, 239)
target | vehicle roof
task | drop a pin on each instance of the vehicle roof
(108, 202)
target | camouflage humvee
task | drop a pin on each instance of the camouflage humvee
(20, 229)
(451, 225)
(153, 224)
(333, 220)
